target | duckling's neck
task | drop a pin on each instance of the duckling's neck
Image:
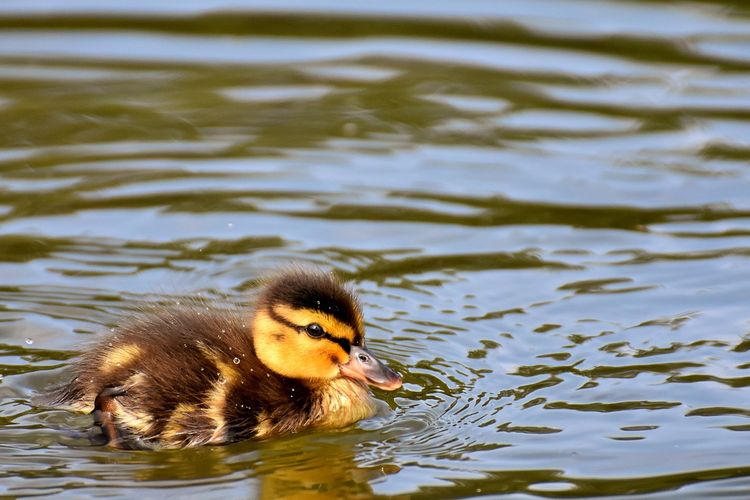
(341, 402)
(325, 405)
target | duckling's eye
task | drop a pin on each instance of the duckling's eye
(315, 330)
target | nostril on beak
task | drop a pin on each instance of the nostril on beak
(363, 359)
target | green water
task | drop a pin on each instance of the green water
(545, 207)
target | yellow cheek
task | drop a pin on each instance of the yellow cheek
(310, 359)
(293, 354)
(338, 355)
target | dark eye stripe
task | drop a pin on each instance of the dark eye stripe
(281, 319)
(344, 343)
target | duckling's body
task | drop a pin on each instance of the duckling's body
(194, 376)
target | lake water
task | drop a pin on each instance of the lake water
(545, 207)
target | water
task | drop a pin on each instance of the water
(544, 206)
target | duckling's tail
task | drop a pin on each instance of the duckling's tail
(68, 395)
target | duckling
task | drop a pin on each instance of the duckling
(194, 376)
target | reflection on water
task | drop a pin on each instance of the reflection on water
(547, 220)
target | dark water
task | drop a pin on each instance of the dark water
(544, 205)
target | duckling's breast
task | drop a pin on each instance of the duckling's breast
(342, 402)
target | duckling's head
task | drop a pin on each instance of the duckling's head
(309, 326)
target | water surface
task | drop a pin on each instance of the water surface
(545, 207)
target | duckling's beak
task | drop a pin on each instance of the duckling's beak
(364, 366)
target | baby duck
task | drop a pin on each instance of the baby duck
(193, 376)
